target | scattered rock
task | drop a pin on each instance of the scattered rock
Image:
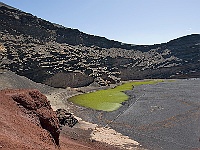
(66, 118)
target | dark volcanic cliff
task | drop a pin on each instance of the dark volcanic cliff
(45, 31)
(59, 56)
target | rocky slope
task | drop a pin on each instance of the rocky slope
(10, 80)
(27, 121)
(61, 57)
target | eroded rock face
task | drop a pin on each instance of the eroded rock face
(63, 80)
(32, 114)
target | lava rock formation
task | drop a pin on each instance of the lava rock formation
(58, 56)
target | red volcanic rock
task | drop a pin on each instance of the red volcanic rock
(27, 121)
(37, 103)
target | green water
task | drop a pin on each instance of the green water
(110, 99)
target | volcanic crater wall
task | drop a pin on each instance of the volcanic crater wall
(61, 57)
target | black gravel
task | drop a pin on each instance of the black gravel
(163, 116)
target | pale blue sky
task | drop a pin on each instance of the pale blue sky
(128, 21)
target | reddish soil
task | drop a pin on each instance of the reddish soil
(28, 122)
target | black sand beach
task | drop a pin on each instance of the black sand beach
(161, 116)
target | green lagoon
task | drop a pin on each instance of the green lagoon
(109, 99)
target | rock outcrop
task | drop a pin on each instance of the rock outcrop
(27, 119)
(66, 118)
(52, 54)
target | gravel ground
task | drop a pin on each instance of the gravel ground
(163, 116)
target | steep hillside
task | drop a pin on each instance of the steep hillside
(61, 57)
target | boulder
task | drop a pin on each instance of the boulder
(66, 118)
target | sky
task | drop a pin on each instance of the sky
(127, 21)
